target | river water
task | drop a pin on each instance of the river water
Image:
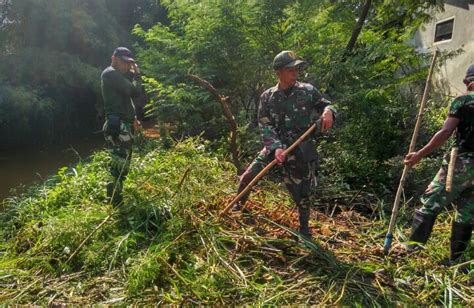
(24, 166)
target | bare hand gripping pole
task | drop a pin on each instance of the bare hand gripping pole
(269, 166)
(396, 203)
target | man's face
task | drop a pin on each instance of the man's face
(122, 65)
(287, 76)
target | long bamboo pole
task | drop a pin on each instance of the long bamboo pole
(396, 203)
(268, 167)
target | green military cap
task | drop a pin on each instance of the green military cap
(286, 58)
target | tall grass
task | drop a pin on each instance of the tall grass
(166, 243)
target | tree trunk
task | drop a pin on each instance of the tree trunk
(223, 101)
(358, 27)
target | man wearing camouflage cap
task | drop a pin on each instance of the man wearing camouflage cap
(120, 82)
(435, 198)
(285, 112)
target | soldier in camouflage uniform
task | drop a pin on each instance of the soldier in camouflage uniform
(435, 198)
(120, 82)
(285, 112)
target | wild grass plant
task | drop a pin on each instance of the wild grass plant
(167, 243)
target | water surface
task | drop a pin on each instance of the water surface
(21, 167)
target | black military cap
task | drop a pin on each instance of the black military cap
(287, 59)
(124, 54)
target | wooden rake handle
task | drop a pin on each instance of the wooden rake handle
(269, 166)
(396, 203)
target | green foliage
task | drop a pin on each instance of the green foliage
(54, 48)
(52, 54)
(227, 48)
(167, 244)
(165, 138)
(47, 228)
(373, 87)
(231, 44)
(31, 107)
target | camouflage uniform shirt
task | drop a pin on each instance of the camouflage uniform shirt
(283, 118)
(435, 198)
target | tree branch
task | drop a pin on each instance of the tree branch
(358, 27)
(224, 102)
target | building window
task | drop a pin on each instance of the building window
(444, 30)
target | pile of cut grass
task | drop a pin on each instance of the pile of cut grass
(167, 244)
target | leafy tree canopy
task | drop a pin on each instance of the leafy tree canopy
(54, 51)
(232, 44)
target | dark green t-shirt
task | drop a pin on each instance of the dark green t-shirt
(117, 92)
(462, 108)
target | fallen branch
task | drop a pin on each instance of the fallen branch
(181, 182)
(224, 102)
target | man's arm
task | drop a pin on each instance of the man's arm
(328, 117)
(118, 82)
(326, 109)
(436, 141)
(136, 84)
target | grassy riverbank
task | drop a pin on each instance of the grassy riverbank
(166, 244)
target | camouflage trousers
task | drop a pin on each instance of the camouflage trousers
(299, 176)
(120, 150)
(435, 198)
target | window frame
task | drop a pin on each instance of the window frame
(445, 20)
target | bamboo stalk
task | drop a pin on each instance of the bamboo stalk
(396, 203)
(181, 182)
(451, 166)
(89, 236)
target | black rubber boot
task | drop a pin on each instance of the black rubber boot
(243, 184)
(460, 238)
(421, 230)
(304, 212)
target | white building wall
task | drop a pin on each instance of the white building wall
(449, 77)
